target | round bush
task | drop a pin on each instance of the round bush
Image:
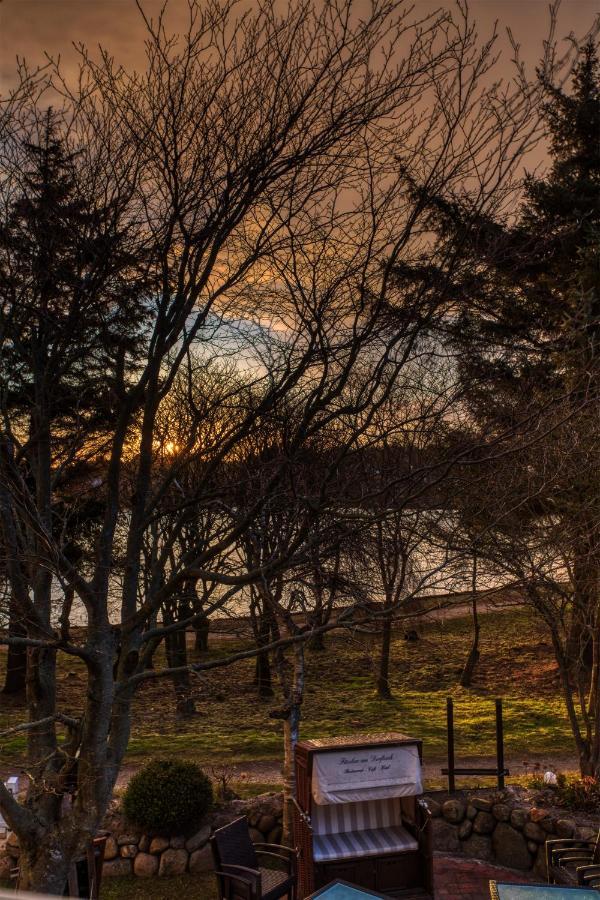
(168, 795)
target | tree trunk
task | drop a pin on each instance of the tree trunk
(383, 677)
(291, 734)
(473, 657)
(16, 658)
(202, 629)
(176, 651)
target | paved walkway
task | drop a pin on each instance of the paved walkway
(469, 879)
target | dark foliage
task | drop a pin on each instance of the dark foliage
(168, 796)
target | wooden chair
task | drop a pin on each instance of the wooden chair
(240, 869)
(573, 861)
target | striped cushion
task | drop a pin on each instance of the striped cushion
(368, 842)
(336, 818)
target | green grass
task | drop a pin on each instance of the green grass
(234, 726)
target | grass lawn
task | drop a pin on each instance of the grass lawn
(516, 664)
(192, 887)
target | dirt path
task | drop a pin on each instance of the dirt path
(268, 771)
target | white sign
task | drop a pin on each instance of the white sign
(371, 773)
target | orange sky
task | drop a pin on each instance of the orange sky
(28, 27)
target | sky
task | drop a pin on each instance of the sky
(30, 27)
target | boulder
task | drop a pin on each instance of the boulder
(510, 847)
(145, 865)
(256, 836)
(532, 847)
(6, 865)
(549, 825)
(144, 843)
(454, 811)
(173, 862)
(445, 836)
(536, 814)
(274, 837)
(435, 808)
(482, 803)
(116, 868)
(111, 850)
(484, 823)
(198, 840)
(127, 839)
(178, 842)
(518, 818)
(565, 827)
(584, 833)
(267, 823)
(501, 812)
(478, 846)
(471, 811)
(128, 851)
(465, 829)
(540, 867)
(201, 861)
(158, 844)
(12, 841)
(533, 832)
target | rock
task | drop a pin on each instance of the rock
(198, 840)
(518, 818)
(173, 862)
(532, 847)
(145, 865)
(274, 837)
(12, 841)
(178, 842)
(566, 827)
(465, 830)
(253, 818)
(111, 849)
(478, 846)
(158, 844)
(510, 847)
(144, 843)
(501, 812)
(540, 866)
(256, 836)
(536, 815)
(267, 823)
(586, 834)
(128, 851)
(549, 825)
(534, 833)
(445, 836)
(6, 865)
(481, 803)
(201, 861)
(484, 823)
(116, 868)
(454, 811)
(127, 839)
(435, 808)
(471, 812)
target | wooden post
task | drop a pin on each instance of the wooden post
(450, 727)
(500, 745)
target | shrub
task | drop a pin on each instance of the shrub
(168, 795)
(572, 792)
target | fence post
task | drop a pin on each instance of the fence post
(450, 727)
(500, 745)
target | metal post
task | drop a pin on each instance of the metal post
(499, 745)
(450, 727)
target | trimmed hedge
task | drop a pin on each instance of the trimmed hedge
(168, 796)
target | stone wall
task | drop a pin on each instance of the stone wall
(131, 852)
(502, 827)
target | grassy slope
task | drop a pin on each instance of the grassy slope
(516, 664)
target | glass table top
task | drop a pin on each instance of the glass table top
(340, 890)
(501, 891)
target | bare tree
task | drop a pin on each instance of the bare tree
(238, 199)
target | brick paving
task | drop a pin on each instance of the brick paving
(469, 879)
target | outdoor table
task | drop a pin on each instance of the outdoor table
(343, 890)
(502, 891)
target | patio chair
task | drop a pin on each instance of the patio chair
(573, 861)
(246, 871)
